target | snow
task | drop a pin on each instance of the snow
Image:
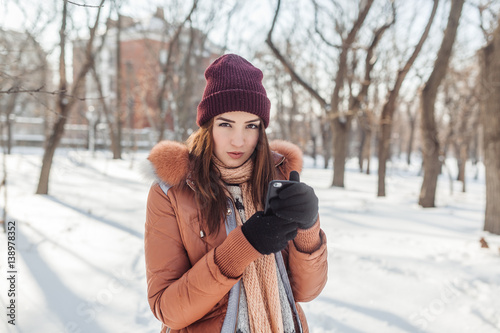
(393, 266)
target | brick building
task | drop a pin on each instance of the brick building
(143, 52)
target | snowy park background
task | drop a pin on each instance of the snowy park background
(117, 74)
(393, 266)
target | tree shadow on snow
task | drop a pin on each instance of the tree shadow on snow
(109, 222)
(380, 315)
(60, 299)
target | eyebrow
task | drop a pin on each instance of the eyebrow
(232, 121)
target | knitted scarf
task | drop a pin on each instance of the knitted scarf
(260, 277)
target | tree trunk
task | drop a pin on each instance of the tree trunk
(467, 133)
(410, 141)
(183, 104)
(50, 149)
(368, 150)
(167, 75)
(327, 142)
(431, 149)
(130, 107)
(390, 106)
(365, 150)
(361, 150)
(117, 147)
(62, 111)
(464, 152)
(332, 109)
(490, 117)
(475, 152)
(293, 112)
(340, 138)
(64, 103)
(280, 108)
(9, 110)
(314, 148)
(106, 111)
(9, 136)
(384, 146)
(342, 120)
(3, 183)
(365, 120)
(367, 146)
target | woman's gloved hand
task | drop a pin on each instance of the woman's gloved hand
(269, 233)
(296, 202)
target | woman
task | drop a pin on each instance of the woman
(214, 261)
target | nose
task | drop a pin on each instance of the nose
(238, 138)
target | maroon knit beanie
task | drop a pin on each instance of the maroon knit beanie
(233, 84)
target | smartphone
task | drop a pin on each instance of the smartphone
(272, 192)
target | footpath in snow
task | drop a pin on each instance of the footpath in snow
(393, 266)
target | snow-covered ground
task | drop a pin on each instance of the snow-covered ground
(393, 266)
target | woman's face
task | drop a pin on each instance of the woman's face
(235, 136)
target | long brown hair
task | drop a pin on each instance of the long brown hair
(210, 194)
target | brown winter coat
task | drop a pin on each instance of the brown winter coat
(187, 291)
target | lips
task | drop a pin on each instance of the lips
(235, 154)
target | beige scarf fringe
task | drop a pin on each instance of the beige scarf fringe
(260, 278)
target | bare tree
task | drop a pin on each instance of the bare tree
(167, 71)
(467, 130)
(389, 108)
(23, 71)
(491, 130)
(188, 84)
(281, 84)
(23, 83)
(339, 120)
(4, 178)
(106, 109)
(365, 115)
(64, 103)
(117, 147)
(294, 116)
(461, 101)
(429, 131)
(412, 117)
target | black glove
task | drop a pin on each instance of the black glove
(268, 234)
(296, 202)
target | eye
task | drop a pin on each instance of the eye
(253, 126)
(224, 125)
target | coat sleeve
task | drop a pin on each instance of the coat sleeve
(308, 272)
(179, 294)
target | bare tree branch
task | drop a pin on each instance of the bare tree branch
(63, 105)
(318, 31)
(288, 66)
(346, 45)
(482, 8)
(371, 59)
(234, 9)
(389, 107)
(16, 90)
(84, 5)
(166, 67)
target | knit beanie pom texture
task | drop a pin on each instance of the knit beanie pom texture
(233, 84)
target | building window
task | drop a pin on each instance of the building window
(163, 57)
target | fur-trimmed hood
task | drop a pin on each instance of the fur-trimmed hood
(170, 160)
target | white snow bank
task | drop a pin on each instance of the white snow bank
(393, 266)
